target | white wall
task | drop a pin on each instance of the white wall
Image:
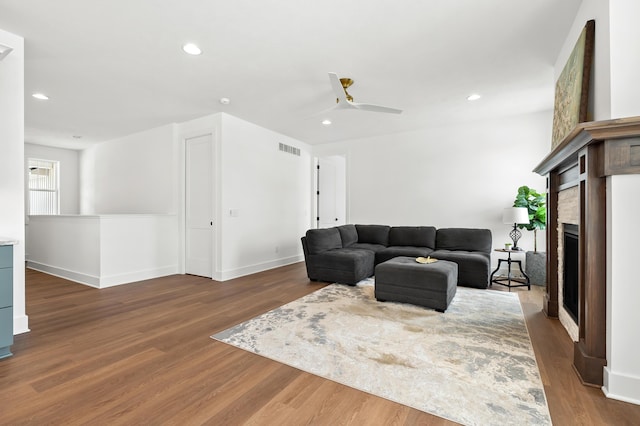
(622, 374)
(454, 176)
(69, 173)
(270, 190)
(12, 167)
(134, 174)
(625, 61)
(600, 93)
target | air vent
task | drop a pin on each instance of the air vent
(290, 149)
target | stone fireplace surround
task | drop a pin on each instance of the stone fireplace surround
(580, 165)
(568, 212)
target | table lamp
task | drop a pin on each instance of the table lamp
(515, 216)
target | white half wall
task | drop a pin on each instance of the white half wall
(103, 251)
(12, 170)
(453, 176)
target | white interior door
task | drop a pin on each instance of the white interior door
(331, 191)
(199, 206)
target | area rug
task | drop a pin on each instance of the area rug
(473, 364)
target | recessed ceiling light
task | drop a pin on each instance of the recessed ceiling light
(191, 49)
(326, 122)
(40, 96)
(77, 136)
(225, 101)
(473, 97)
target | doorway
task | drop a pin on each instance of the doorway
(199, 218)
(331, 191)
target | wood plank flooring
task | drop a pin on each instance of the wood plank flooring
(141, 354)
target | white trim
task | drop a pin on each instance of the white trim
(78, 277)
(625, 388)
(104, 282)
(134, 276)
(21, 324)
(255, 268)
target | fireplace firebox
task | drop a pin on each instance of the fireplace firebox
(570, 295)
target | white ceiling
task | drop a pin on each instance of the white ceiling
(116, 67)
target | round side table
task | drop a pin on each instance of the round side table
(507, 282)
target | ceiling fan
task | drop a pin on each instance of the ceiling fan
(345, 100)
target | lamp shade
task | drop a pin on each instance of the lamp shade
(512, 215)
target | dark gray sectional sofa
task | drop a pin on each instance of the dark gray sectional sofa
(349, 253)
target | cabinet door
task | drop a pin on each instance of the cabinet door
(6, 331)
(6, 256)
(6, 287)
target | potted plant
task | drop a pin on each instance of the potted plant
(535, 203)
(537, 208)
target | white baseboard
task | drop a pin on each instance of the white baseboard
(78, 277)
(258, 267)
(621, 387)
(103, 282)
(21, 324)
(134, 276)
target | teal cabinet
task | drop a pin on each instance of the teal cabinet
(6, 300)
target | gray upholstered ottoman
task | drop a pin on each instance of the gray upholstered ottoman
(402, 279)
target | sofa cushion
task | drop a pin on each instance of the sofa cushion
(469, 239)
(474, 267)
(366, 246)
(373, 234)
(321, 240)
(416, 236)
(398, 251)
(349, 235)
(345, 266)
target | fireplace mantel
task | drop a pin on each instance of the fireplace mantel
(566, 153)
(584, 159)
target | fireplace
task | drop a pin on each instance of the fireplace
(570, 296)
(582, 163)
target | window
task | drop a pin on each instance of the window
(44, 188)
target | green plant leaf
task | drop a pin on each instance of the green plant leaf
(535, 202)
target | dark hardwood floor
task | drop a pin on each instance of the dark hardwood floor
(141, 354)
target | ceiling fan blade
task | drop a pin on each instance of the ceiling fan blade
(376, 108)
(337, 87)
